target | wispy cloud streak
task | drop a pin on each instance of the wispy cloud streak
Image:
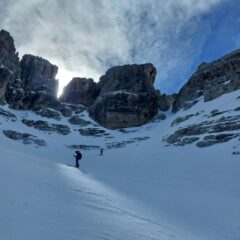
(89, 36)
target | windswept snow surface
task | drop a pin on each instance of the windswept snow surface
(142, 191)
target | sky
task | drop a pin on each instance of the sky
(87, 37)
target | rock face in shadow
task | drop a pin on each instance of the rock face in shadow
(80, 91)
(39, 74)
(8, 55)
(29, 84)
(9, 62)
(211, 80)
(5, 77)
(127, 97)
(123, 109)
(131, 78)
(49, 113)
(165, 102)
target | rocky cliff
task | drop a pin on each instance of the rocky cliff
(38, 74)
(122, 109)
(124, 97)
(131, 78)
(8, 55)
(9, 62)
(36, 87)
(210, 81)
(29, 83)
(80, 91)
(5, 78)
(127, 97)
(165, 102)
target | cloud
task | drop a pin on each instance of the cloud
(86, 37)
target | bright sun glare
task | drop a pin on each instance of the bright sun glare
(64, 76)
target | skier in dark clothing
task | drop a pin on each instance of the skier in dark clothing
(78, 157)
(101, 152)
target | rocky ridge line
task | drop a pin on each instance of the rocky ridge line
(124, 97)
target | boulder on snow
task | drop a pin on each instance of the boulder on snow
(121, 144)
(76, 120)
(45, 126)
(215, 139)
(94, 132)
(181, 119)
(84, 147)
(7, 114)
(229, 124)
(165, 101)
(49, 113)
(26, 138)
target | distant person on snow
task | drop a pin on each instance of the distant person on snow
(101, 152)
(78, 157)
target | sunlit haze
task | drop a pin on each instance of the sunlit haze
(65, 75)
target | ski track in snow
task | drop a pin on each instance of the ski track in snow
(142, 191)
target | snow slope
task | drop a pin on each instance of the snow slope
(144, 190)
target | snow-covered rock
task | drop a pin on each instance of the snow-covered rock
(210, 81)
